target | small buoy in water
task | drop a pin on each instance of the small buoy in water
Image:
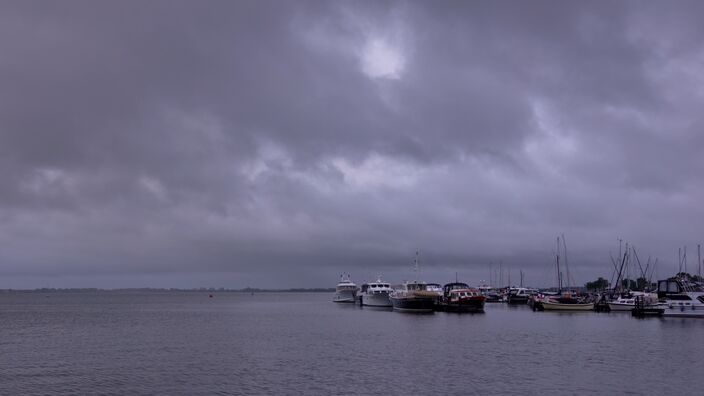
(210, 296)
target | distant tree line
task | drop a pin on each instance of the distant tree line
(600, 284)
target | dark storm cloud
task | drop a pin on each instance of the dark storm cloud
(246, 143)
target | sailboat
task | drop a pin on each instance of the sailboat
(564, 301)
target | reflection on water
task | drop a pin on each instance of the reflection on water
(186, 343)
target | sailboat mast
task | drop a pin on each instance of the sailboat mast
(699, 260)
(557, 262)
(567, 267)
(521, 278)
(501, 275)
(684, 259)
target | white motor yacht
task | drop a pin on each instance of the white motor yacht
(376, 294)
(626, 303)
(346, 290)
(681, 299)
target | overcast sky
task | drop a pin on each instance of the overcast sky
(281, 143)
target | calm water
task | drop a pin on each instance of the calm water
(189, 344)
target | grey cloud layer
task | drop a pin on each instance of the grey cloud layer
(249, 138)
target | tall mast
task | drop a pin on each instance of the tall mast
(699, 261)
(521, 278)
(685, 258)
(567, 267)
(501, 275)
(557, 262)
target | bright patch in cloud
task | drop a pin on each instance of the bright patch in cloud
(553, 145)
(48, 180)
(153, 186)
(382, 60)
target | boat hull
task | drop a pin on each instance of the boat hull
(376, 300)
(556, 306)
(413, 304)
(620, 307)
(345, 297)
(674, 310)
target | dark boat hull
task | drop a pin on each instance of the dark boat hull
(471, 306)
(413, 304)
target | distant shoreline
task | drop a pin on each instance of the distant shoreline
(157, 290)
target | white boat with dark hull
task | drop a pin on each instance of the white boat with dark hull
(376, 294)
(415, 296)
(518, 296)
(346, 291)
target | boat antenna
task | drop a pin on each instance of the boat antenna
(417, 267)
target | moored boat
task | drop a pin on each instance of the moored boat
(518, 296)
(491, 296)
(376, 294)
(459, 297)
(413, 297)
(345, 291)
(563, 301)
(681, 299)
(626, 302)
(566, 302)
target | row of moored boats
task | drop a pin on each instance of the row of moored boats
(415, 296)
(674, 297)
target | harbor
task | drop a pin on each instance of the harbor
(680, 296)
(674, 297)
